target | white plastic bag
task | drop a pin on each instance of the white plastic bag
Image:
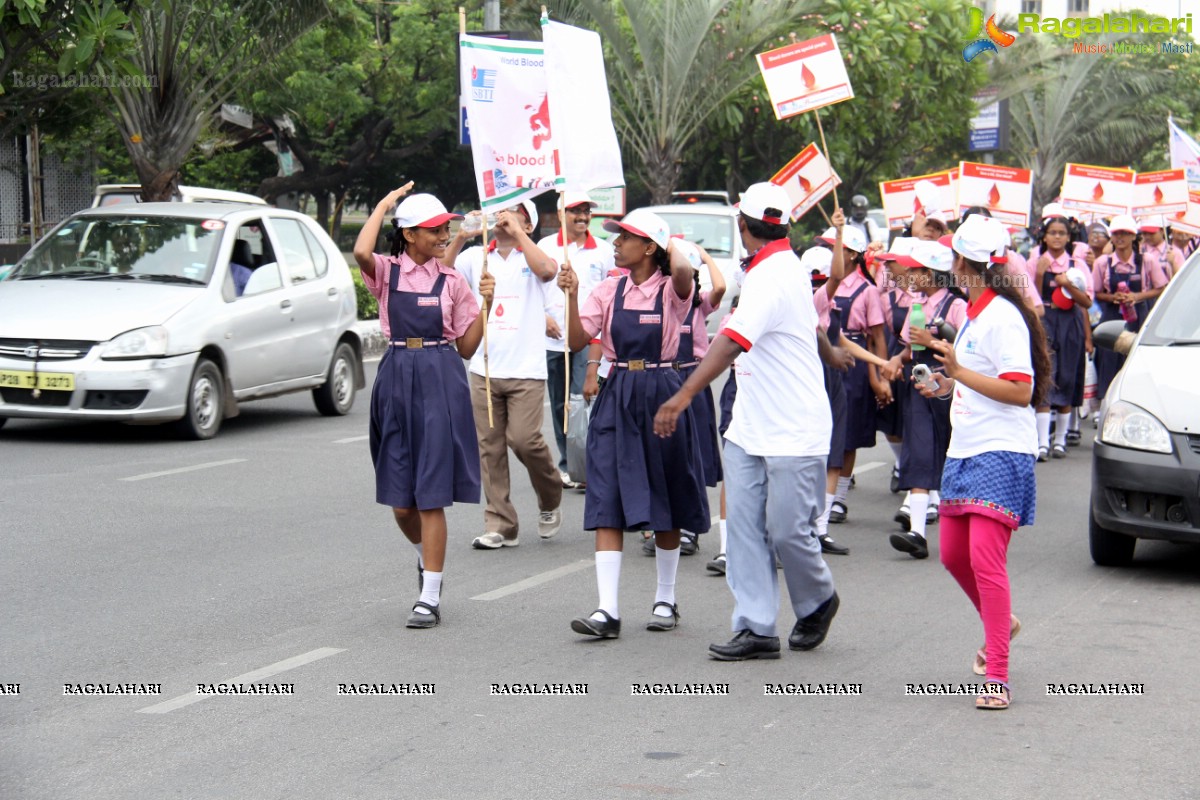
(579, 415)
(1090, 404)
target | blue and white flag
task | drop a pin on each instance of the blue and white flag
(1185, 154)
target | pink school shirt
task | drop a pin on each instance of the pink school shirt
(459, 307)
(1159, 256)
(700, 326)
(1155, 275)
(956, 312)
(866, 312)
(597, 311)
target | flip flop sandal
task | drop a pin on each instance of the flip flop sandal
(993, 700)
(980, 665)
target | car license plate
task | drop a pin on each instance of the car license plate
(49, 381)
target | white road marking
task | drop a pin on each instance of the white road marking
(178, 470)
(351, 439)
(249, 677)
(536, 580)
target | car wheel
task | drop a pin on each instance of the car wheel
(335, 397)
(205, 402)
(1109, 549)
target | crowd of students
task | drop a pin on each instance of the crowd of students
(953, 346)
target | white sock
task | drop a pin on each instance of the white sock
(608, 579)
(896, 450)
(420, 553)
(823, 520)
(667, 562)
(907, 499)
(918, 504)
(843, 486)
(431, 590)
(1043, 429)
(1060, 428)
(724, 536)
(935, 498)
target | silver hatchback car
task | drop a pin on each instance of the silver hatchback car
(177, 312)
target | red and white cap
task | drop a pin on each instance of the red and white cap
(643, 223)
(1152, 223)
(1061, 297)
(852, 238)
(979, 238)
(767, 202)
(900, 252)
(1122, 222)
(1054, 210)
(422, 211)
(817, 259)
(572, 199)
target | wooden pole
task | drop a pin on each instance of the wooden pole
(562, 224)
(462, 20)
(828, 160)
(487, 373)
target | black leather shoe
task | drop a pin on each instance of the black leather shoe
(658, 623)
(746, 645)
(810, 631)
(837, 512)
(689, 543)
(904, 517)
(894, 486)
(912, 543)
(717, 565)
(609, 628)
(418, 620)
(828, 545)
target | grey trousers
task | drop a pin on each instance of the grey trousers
(773, 504)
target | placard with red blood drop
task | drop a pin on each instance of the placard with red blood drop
(993, 198)
(1098, 192)
(810, 80)
(1158, 195)
(499, 312)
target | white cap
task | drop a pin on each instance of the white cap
(572, 199)
(979, 238)
(932, 255)
(901, 249)
(1154, 222)
(1099, 224)
(422, 211)
(938, 216)
(641, 222)
(1122, 222)
(817, 259)
(852, 238)
(530, 210)
(761, 197)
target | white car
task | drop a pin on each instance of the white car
(114, 194)
(162, 312)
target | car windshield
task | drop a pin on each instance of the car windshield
(160, 249)
(713, 232)
(1175, 321)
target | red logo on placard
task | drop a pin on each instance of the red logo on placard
(539, 123)
(489, 183)
(809, 79)
(994, 196)
(1098, 192)
(499, 312)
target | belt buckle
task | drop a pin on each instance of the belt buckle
(414, 343)
(637, 364)
(677, 365)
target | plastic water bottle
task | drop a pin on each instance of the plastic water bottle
(1128, 312)
(916, 319)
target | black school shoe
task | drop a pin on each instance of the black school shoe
(810, 631)
(828, 545)
(658, 623)
(418, 620)
(894, 486)
(912, 543)
(689, 543)
(838, 512)
(744, 646)
(608, 628)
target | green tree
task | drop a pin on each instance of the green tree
(195, 54)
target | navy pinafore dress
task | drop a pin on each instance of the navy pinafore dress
(704, 409)
(926, 421)
(422, 435)
(637, 481)
(835, 390)
(860, 399)
(1109, 363)
(890, 421)
(1065, 337)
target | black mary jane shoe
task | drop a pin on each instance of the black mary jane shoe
(828, 545)
(914, 544)
(658, 623)
(744, 646)
(838, 512)
(809, 632)
(608, 628)
(418, 620)
(894, 484)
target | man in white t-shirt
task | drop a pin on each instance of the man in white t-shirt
(591, 259)
(517, 361)
(776, 446)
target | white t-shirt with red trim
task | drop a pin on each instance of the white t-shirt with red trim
(781, 407)
(517, 322)
(994, 342)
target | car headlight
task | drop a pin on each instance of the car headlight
(1127, 425)
(139, 343)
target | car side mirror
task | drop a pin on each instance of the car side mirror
(1112, 335)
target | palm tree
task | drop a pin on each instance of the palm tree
(1087, 109)
(672, 63)
(195, 55)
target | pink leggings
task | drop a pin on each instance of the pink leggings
(974, 549)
